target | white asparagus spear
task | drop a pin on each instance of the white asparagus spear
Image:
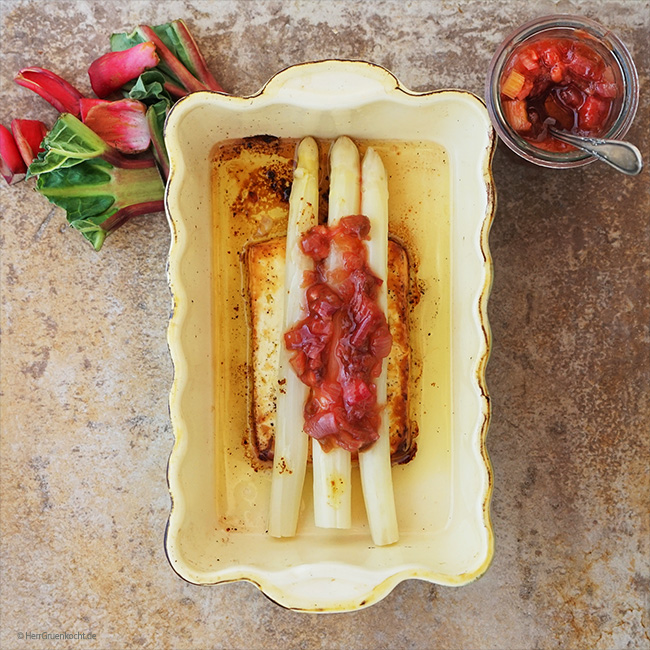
(375, 462)
(291, 442)
(332, 470)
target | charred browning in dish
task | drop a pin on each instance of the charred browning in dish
(263, 144)
(261, 190)
(279, 184)
(257, 176)
(324, 202)
(265, 281)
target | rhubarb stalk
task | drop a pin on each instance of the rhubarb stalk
(122, 124)
(12, 165)
(113, 70)
(156, 115)
(97, 186)
(182, 68)
(54, 89)
(193, 57)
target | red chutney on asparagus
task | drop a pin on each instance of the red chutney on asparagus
(339, 346)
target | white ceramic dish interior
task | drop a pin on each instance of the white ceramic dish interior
(217, 526)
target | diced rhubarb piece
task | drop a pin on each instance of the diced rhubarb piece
(529, 59)
(12, 165)
(517, 115)
(112, 70)
(550, 56)
(28, 135)
(583, 65)
(608, 75)
(593, 113)
(526, 89)
(513, 84)
(52, 88)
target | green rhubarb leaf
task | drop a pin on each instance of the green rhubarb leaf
(48, 160)
(93, 232)
(149, 88)
(98, 197)
(83, 191)
(69, 142)
(166, 33)
(123, 41)
(71, 137)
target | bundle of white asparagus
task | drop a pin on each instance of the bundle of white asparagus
(355, 188)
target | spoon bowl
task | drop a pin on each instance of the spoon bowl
(622, 156)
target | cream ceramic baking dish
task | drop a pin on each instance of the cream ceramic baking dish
(437, 147)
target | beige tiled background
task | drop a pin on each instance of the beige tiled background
(86, 371)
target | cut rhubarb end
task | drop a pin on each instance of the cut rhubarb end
(52, 88)
(593, 113)
(12, 165)
(112, 70)
(28, 135)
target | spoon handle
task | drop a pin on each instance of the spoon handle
(623, 156)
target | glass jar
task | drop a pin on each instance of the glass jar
(535, 144)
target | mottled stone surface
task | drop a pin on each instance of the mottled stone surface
(86, 372)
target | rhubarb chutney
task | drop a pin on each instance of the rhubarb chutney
(562, 81)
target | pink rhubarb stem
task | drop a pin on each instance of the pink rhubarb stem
(111, 71)
(122, 124)
(200, 66)
(29, 135)
(175, 90)
(52, 88)
(12, 165)
(191, 83)
(137, 210)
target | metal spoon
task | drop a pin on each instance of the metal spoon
(623, 156)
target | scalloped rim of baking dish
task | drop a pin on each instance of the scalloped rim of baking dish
(326, 586)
